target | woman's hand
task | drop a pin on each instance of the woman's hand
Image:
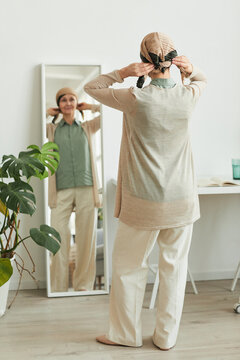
(53, 111)
(136, 69)
(183, 63)
(84, 106)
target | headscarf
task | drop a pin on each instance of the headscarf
(64, 91)
(157, 49)
(60, 94)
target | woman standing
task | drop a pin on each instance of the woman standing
(156, 192)
(75, 187)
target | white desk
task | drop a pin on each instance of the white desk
(214, 190)
(211, 190)
(221, 190)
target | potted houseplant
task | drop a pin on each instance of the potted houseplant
(16, 198)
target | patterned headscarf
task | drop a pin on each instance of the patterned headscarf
(157, 49)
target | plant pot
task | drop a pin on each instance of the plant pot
(4, 294)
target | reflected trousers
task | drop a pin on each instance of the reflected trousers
(131, 251)
(80, 198)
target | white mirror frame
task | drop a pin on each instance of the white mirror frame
(46, 207)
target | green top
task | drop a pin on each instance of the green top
(164, 83)
(75, 163)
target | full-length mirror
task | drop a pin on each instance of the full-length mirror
(74, 195)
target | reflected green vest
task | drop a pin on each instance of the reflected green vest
(75, 163)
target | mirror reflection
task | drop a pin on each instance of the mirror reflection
(75, 191)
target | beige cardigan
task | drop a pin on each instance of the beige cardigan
(156, 186)
(90, 128)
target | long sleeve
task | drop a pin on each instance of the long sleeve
(50, 129)
(95, 108)
(120, 99)
(198, 82)
(94, 124)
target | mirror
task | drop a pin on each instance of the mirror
(74, 196)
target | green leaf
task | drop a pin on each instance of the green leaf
(48, 155)
(3, 209)
(3, 170)
(30, 157)
(42, 176)
(49, 146)
(18, 195)
(25, 165)
(32, 162)
(6, 270)
(47, 237)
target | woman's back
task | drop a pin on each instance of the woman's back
(156, 181)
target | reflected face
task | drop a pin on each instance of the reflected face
(67, 104)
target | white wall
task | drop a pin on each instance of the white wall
(109, 32)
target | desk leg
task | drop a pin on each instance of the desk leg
(235, 278)
(192, 281)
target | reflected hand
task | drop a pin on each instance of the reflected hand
(183, 63)
(83, 106)
(53, 111)
(136, 69)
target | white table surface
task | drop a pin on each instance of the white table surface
(212, 190)
(208, 190)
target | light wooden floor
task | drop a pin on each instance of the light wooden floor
(65, 328)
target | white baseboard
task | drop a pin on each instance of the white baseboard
(202, 276)
(27, 284)
(198, 276)
(213, 275)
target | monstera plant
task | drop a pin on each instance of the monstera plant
(17, 199)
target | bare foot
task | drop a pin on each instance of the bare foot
(102, 339)
(164, 349)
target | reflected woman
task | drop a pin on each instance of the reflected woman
(75, 186)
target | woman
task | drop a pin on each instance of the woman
(156, 192)
(75, 186)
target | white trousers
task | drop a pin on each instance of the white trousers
(80, 198)
(129, 275)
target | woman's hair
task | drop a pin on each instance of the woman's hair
(157, 49)
(56, 116)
